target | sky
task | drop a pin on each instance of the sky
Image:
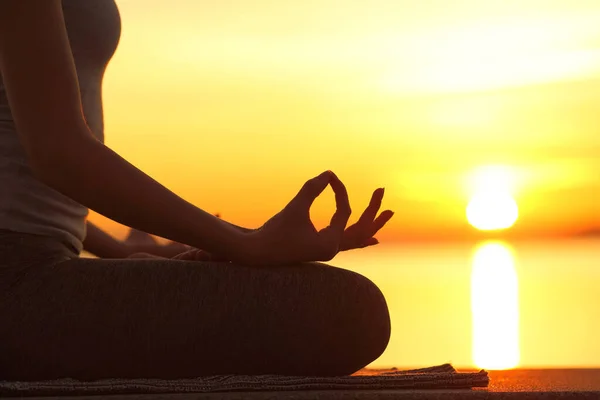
(234, 104)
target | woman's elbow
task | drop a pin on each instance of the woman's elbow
(56, 165)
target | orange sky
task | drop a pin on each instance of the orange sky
(234, 104)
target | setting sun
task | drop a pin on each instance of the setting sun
(491, 211)
(492, 206)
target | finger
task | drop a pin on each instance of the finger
(342, 206)
(372, 209)
(202, 255)
(380, 221)
(182, 256)
(370, 242)
(144, 255)
(312, 189)
(193, 255)
(176, 247)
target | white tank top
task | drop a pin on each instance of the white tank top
(26, 204)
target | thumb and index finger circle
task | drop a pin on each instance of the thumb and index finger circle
(315, 186)
(313, 189)
(331, 235)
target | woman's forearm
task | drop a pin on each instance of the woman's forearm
(95, 176)
(239, 228)
(103, 245)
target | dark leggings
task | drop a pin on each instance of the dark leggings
(63, 316)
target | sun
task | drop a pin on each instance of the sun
(492, 206)
(492, 211)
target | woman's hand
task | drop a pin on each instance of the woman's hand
(198, 255)
(290, 236)
(188, 255)
(362, 233)
(138, 243)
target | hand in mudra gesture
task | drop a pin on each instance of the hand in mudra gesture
(290, 236)
(362, 233)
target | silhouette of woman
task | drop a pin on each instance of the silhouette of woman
(267, 305)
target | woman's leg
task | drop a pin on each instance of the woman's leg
(93, 319)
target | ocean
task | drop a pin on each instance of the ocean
(494, 305)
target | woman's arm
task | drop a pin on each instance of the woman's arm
(103, 245)
(40, 78)
(41, 82)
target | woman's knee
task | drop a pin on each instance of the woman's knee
(359, 319)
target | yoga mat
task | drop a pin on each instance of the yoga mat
(438, 377)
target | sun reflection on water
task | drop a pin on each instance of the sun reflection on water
(495, 307)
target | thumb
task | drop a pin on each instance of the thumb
(312, 189)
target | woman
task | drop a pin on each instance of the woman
(265, 311)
